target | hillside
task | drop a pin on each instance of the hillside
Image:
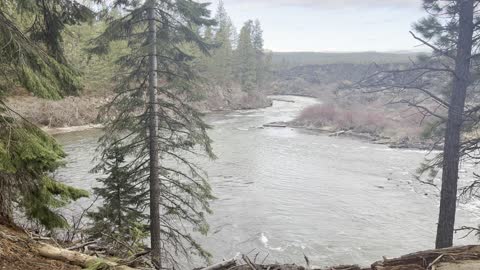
(315, 80)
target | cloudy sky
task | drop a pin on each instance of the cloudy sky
(331, 25)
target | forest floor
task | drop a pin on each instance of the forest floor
(20, 251)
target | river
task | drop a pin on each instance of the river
(286, 192)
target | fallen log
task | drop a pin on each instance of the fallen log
(76, 258)
(276, 125)
(222, 265)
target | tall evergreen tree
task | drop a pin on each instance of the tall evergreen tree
(223, 55)
(450, 31)
(153, 122)
(260, 63)
(246, 59)
(451, 153)
(257, 37)
(452, 41)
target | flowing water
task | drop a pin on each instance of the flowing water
(285, 193)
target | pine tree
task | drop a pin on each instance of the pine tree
(452, 41)
(450, 30)
(223, 55)
(118, 221)
(26, 63)
(28, 156)
(260, 64)
(246, 59)
(48, 20)
(153, 122)
(451, 153)
(257, 37)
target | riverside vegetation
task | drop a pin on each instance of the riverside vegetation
(344, 110)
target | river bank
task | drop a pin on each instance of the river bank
(374, 138)
(73, 114)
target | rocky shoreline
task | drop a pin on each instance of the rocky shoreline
(395, 143)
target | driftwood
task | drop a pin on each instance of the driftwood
(221, 265)
(76, 258)
(456, 258)
(276, 125)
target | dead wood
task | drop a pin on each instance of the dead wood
(221, 265)
(466, 257)
(75, 258)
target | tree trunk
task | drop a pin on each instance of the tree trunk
(451, 153)
(5, 217)
(155, 186)
(5, 202)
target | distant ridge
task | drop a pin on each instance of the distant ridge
(291, 59)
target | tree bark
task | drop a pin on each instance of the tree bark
(5, 202)
(155, 187)
(451, 153)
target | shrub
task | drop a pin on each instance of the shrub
(360, 119)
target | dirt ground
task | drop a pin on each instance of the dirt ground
(18, 252)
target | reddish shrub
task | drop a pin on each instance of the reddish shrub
(324, 112)
(359, 118)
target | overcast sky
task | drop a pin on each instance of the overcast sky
(331, 25)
